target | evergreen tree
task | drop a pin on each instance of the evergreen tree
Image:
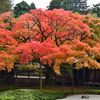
(72, 5)
(75, 6)
(54, 4)
(32, 6)
(67, 5)
(22, 8)
(5, 5)
(82, 6)
(96, 9)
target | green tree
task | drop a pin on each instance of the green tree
(67, 5)
(82, 6)
(96, 9)
(22, 8)
(75, 6)
(72, 5)
(5, 5)
(54, 4)
(32, 6)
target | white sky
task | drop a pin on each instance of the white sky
(44, 3)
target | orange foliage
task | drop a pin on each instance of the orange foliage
(56, 36)
(6, 61)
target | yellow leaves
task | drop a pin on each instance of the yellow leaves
(6, 61)
(2, 64)
(94, 25)
(82, 48)
(70, 60)
(57, 69)
(1, 20)
(86, 64)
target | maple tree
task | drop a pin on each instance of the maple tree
(59, 30)
(7, 44)
(94, 23)
(54, 38)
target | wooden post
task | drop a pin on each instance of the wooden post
(88, 77)
(28, 75)
(40, 76)
(5, 81)
(72, 81)
(83, 79)
(94, 77)
(16, 74)
(63, 82)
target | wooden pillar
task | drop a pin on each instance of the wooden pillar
(28, 75)
(94, 76)
(72, 79)
(40, 76)
(88, 77)
(83, 78)
(63, 81)
(16, 74)
(5, 80)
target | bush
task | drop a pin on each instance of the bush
(29, 94)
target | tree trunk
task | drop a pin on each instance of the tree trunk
(63, 82)
(83, 79)
(72, 81)
(49, 75)
(40, 76)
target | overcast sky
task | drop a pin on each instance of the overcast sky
(44, 3)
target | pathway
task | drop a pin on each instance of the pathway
(78, 97)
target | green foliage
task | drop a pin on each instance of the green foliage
(72, 5)
(32, 6)
(96, 9)
(28, 94)
(70, 69)
(22, 8)
(54, 4)
(48, 93)
(68, 5)
(5, 5)
(67, 68)
(92, 15)
(28, 68)
(87, 92)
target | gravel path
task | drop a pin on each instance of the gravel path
(78, 97)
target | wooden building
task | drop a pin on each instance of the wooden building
(33, 77)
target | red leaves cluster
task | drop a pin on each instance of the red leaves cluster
(5, 38)
(29, 51)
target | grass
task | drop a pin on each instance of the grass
(29, 94)
(47, 93)
(8, 87)
(68, 90)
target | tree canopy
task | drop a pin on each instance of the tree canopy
(96, 9)
(5, 5)
(32, 6)
(52, 37)
(72, 5)
(23, 7)
(54, 4)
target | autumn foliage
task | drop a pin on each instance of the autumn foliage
(49, 36)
